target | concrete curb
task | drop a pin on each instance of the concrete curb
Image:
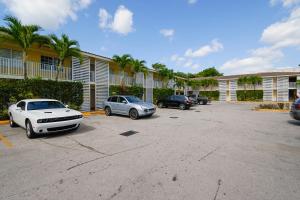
(271, 110)
(98, 112)
(4, 122)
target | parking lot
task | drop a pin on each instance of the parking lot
(218, 151)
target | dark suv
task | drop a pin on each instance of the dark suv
(179, 101)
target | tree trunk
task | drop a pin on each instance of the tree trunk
(25, 64)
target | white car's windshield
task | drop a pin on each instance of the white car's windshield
(41, 105)
(133, 99)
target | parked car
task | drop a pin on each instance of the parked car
(43, 116)
(295, 110)
(180, 101)
(193, 99)
(199, 100)
(128, 105)
(202, 100)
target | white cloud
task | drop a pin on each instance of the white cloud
(215, 46)
(285, 3)
(121, 23)
(279, 35)
(46, 13)
(284, 33)
(260, 59)
(104, 18)
(192, 1)
(168, 33)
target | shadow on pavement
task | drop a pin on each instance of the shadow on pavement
(82, 129)
(294, 122)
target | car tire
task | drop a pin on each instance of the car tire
(205, 102)
(11, 121)
(107, 111)
(182, 106)
(133, 114)
(199, 102)
(160, 104)
(29, 130)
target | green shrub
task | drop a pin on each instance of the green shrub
(212, 95)
(274, 106)
(13, 90)
(250, 95)
(133, 90)
(159, 93)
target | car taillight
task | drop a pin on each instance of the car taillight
(297, 106)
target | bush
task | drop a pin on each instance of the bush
(250, 95)
(13, 90)
(212, 95)
(133, 90)
(274, 106)
(159, 93)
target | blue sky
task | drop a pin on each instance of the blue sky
(187, 35)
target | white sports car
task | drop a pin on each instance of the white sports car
(43, 116)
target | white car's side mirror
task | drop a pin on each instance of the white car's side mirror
(18, 108)
(125, 102)
(67, 106)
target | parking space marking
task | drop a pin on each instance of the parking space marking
(5, 141)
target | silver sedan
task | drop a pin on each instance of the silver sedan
(128, 105)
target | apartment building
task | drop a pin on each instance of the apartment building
(279, 86)
(96, 73)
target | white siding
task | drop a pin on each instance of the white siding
(268, 89)
(149, 87)
(81, 72)
(140, 79)
(102, 82)
(283, 88)
(233, 88)
(222, 90)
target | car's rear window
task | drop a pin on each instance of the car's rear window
(41, 105)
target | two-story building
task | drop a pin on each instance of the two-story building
(278, 86)
(96, 72)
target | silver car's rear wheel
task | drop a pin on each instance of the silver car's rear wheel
(108, 111)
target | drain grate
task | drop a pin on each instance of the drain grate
(197, 111)
(129, 133)
(174, 117)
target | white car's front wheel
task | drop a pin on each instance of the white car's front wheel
(29, 131)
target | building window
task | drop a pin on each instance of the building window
(49, 63)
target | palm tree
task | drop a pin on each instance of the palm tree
(64, 48)
(138, 66)
(23, 35)
(123, 62)
(254, 80)
(165, 73)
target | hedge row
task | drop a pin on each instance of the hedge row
(250, 95)
(119, 90)
(212, 95)
(13, 90)
(159, 93)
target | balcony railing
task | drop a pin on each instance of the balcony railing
(157, 84)
(115, 79)
(13, 68)
(249, 87)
